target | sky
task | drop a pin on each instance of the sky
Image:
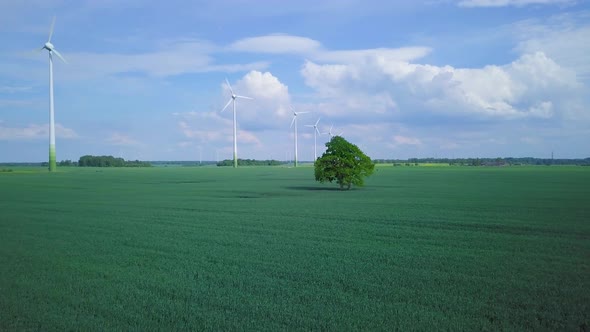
(400, 79)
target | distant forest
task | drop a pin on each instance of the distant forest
(110, 161)
(250, 162)
(106, 161)
(485, 161)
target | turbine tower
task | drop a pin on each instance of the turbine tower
(315, 145)
(51, 49)
(233, 100)
(294, 121)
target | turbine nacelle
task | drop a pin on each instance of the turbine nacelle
(295, 115)
(315, 126)
(49, 46)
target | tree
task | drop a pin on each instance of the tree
(109, 161)
(344, 163)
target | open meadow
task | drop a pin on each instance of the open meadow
(267, 248)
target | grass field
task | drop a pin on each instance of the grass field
(266, 248)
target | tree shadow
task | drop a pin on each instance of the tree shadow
(310, 188)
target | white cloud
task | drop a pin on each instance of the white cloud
(527, 87)
(179, 57)
(516, 3)
(7, 103)
(312, 49)
(563, 38)
(184, 144)
(529, 140)
(277, 44)
(270, 104)
(202, 128)
(387, 54)
(165, 58)
(246, 137)
(404, 140)
(258, 120)
(14, 89)
(35, 131)
(209, 129)
(122, 140)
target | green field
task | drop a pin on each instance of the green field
(419, 248)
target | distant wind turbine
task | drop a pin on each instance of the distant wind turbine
(315, 145)
(51, 49)
(294, 121)
(329, 132)
(233, 100)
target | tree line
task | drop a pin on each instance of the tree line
(250, 162)
(109, 161)
(485, 161)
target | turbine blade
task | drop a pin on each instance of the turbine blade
(309, 125)
(244, 97)
(292, 121)
(51, 29)
(226, 105)
(59, 55)
(316, 129)
(316, 123)
(229, 86)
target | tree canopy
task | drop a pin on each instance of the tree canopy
(109, 161)
(344, 163)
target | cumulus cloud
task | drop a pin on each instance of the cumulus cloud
(271, 100)
(35, 131)
(527, 87)
(562, 37)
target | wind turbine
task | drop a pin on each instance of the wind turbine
(315, 145)
(330, 132)
(294, 121)
(51, 49)
(233, 100)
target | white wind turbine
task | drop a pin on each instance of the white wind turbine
(294, 121)
(233, 100)
(51, 49)
(315, 145)
(329, 132)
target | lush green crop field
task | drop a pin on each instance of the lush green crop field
(269, 249)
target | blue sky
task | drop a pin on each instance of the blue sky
(401, 79)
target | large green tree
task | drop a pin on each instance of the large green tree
(344, 163)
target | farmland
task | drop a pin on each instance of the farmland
(267, 248)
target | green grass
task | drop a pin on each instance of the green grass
(266, 248)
